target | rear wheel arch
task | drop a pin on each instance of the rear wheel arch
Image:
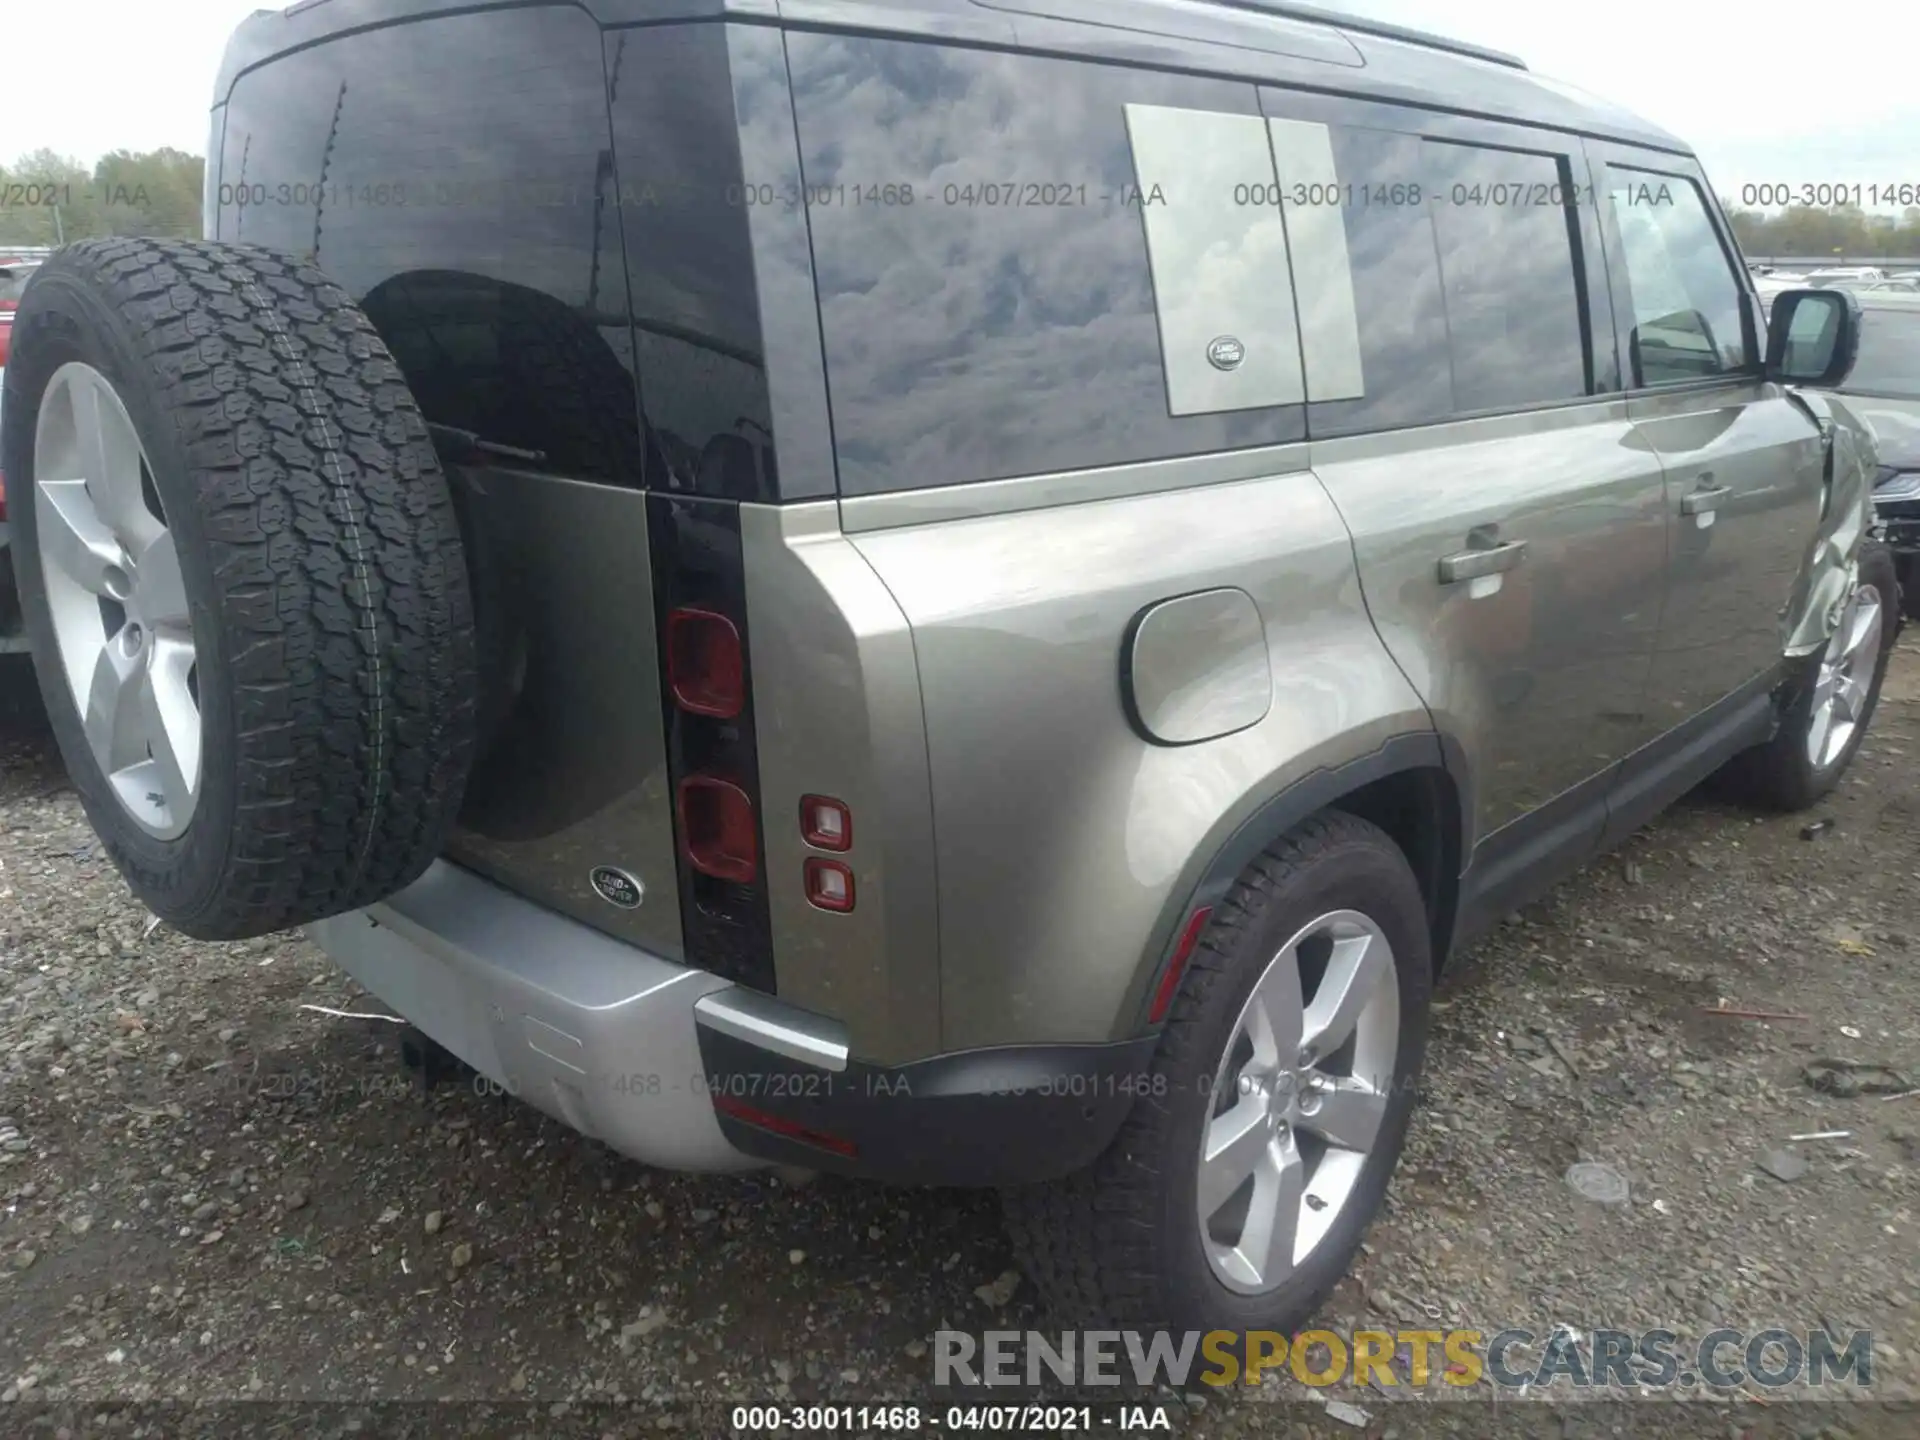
(1409, 788)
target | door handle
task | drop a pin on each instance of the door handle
(1700, 502)
(1472, 564)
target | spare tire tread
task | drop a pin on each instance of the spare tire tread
(341, 586)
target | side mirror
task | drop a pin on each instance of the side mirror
(1812, 336)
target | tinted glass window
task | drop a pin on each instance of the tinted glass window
(1395, 276)
(455, 176)
(985, 293)
(690, 261)
(1889, 358)
(1507, 276)
(1684, 293)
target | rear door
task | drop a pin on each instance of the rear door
(1506, 517)
(595, 327)
(453, 174)
(1744, 465)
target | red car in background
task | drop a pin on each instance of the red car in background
(14, 273)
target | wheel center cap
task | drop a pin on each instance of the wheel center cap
(1285, 1085)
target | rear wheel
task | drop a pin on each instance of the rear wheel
(242, 579)
(1831, 703)
(1237, 1191)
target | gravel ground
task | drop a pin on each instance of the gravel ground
(209, 1193)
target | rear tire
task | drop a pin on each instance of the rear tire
(1907, 568)
(323, 594)
(1123, 1244)
(1785, 774)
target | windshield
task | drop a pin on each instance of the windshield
(1889, 360)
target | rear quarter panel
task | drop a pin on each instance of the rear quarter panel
(1066, 842)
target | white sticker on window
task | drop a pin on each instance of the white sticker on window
(1311, 193)
(1218, 251)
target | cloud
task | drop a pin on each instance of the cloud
(1734, 83)
(89, 76)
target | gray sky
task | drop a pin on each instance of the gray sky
(140, 75)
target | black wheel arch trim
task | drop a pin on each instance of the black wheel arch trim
(1429, 751)
(1008, 1115)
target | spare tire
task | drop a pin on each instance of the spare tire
(242, 580)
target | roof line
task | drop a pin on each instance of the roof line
(1379, 28)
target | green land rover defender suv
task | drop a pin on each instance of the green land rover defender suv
(969, 592)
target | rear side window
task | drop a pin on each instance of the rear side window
(1507, 276)
(454, 174)
(1685, 299)
(981, 250)
(1371, 216)
(1435, 278)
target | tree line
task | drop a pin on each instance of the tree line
(1840, 230)
(46, 198)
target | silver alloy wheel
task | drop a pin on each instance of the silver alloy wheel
(119, 606)
(1299, 1097)
(1845, 680)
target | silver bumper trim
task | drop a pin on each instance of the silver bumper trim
(593, 1031)
(762, 1020)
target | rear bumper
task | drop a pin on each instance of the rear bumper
(682, 1069)
(1010, 1116)
(594, 1032)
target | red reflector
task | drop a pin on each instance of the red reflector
(829, 885)
(825, 824)
(1170, 982)
(716, 829)
(706, 669)
(780, 1125)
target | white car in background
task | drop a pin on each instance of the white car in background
(1845, 275)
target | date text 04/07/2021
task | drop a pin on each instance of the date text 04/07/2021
(975, 1416)
(748, 1084)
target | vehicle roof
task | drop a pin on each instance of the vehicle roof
(1267, 41)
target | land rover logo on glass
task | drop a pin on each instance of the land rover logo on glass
(1226, 353)
(617, 887)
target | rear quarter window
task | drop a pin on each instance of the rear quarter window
(455, 175)
(986, 297)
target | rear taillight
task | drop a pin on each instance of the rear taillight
(829, 885)
(706, 698)
(825, 824)
(6, 338)
(706, 669)
(717, 830)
